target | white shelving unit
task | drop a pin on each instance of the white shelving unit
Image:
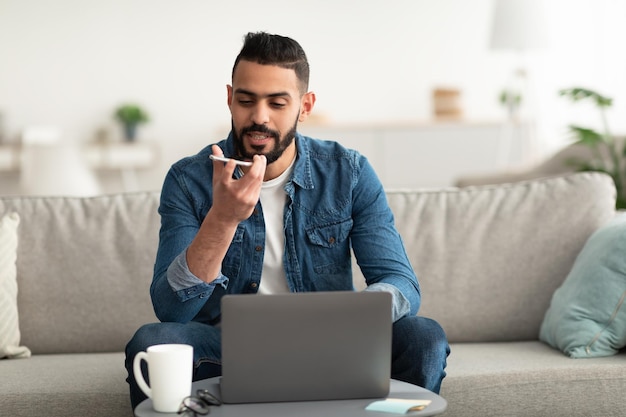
(431, 154)
(122, 158)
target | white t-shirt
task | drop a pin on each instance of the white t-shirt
(273, 200)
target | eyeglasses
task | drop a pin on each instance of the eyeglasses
(200, 404)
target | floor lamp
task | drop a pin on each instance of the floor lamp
(519, 26)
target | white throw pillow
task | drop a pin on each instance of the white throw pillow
(9, 323)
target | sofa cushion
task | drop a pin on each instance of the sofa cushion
(90, 384)
(587, 316)
(9, 323)
(84, 267)
(489, 258)
(531, 379)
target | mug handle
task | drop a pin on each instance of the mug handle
(139, 375)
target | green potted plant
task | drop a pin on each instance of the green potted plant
(130, 116)
(608, 154)
(511, 100)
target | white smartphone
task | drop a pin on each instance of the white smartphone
(224, 159)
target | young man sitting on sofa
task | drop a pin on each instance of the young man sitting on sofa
(292, 216)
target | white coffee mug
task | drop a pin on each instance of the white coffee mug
(170, 368)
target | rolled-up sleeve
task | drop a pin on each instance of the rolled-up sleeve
(400, 306)
(186, 285)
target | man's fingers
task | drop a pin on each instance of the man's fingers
(219, 168)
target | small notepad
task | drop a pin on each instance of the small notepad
(398, 405)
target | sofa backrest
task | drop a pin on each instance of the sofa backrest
(84, 267)
(489, 258)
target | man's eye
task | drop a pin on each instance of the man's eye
(245, 102)
(278, 105)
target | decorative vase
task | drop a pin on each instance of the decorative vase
(130, 132)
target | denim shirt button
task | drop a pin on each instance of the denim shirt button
(253, 285)
(258, 248)
(331, 240)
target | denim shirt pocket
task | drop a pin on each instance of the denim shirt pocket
(232, 261)
(330, 246)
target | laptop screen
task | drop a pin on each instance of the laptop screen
(306, 346)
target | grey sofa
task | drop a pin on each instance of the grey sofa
(489, 259)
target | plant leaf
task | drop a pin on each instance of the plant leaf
(587, 137)
(577, 94)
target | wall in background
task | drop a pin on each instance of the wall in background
(68, 63)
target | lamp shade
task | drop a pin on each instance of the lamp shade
(518, 25)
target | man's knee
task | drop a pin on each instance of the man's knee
(205, 339)
(155, 334)
(422, 332)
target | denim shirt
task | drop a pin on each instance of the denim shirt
(335, 202)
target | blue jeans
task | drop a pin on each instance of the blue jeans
(419, 351)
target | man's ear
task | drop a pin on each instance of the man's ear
(229, 95)
(306, 105)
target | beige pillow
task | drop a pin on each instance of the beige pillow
(9, 325)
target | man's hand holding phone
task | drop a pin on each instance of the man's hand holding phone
(235, 199)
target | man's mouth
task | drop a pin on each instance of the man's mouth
(257, 138)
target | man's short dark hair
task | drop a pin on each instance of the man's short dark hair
(267, 49)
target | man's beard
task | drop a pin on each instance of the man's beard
(280, 144)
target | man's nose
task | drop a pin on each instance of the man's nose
(260, 114)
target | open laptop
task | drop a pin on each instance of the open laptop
(305, 346)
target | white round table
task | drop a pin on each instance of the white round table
(335, 408)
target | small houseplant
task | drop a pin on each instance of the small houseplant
(131, 116)
(608, 154)
(511, 100)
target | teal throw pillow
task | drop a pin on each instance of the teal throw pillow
(587, 315)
